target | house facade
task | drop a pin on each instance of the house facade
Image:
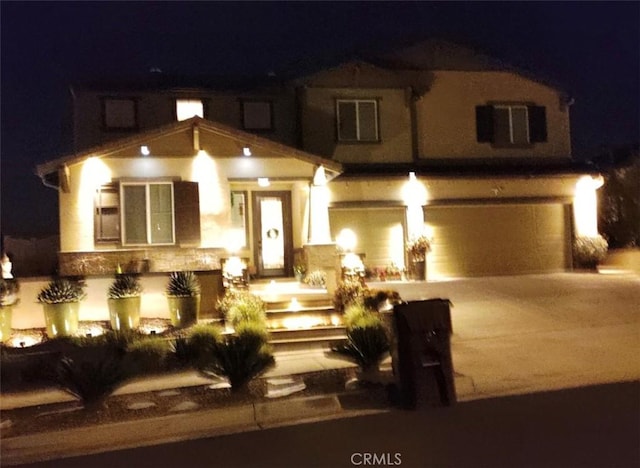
(438, 141)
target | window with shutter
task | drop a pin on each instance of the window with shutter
(511, 124)
(187, 212)
(107, 213)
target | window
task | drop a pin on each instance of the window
(120, 113)
(148, 213)
(187, 108)
(239, 218)
(257, 115)
(357, 119)
(511, 124)
(107, 214)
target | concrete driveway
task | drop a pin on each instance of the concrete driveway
(521, 334)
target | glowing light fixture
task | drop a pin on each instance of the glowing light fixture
(347, 240)
(246, 151)
(144, 150)
(585, 205)
(263, 182)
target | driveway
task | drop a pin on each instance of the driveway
(521, 334)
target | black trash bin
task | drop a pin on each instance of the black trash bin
(425, 365)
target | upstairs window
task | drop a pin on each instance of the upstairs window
(357, 120)
(187, 108)
(511, 124)
(119, 114)
(257, 115)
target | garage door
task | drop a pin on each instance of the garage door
(380, 232)
(482, 240)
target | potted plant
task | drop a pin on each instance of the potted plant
(124, 302)
(61, 303)
(418, 249)
(183, 294)
(8, 298)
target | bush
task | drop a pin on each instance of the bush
(316, 278)
(200, 344)
(183, 284)
(124, 285)
(62, 290)
(91, 381)
(145, 356)
(241, 357)
(242, 306)
(347, 293)
(367, 342)
(589, 251)
(374, 299)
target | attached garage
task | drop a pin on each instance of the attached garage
(380, 232)
(500, 239)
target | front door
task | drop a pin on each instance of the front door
(273, 248)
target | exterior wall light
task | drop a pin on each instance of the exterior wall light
(263, 182)
(144, 150)
(246, 151)
(585, 205)
(347, 240)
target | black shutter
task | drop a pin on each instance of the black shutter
(187, 212)
(484, 123)
(537, 124)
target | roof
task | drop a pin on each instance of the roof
(471, 168)
(193, 125)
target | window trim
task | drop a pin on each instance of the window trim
(103, 104)
(123, 224)
(271, 127)
(357, 101)
(536, 125)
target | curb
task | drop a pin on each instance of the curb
(186, 426)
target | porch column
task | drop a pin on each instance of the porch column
(319, 229)
(585, 206)
(415, 197)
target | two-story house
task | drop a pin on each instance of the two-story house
(433, 138)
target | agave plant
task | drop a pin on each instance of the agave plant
(367, 342)
(183, 284)
(62, 290)
(125, 286)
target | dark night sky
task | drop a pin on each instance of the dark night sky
(590, 48)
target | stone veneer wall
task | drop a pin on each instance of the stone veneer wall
(160, 259)
(323, 257)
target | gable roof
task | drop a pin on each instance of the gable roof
(195, 131)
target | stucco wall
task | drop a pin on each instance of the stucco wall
(446, 118)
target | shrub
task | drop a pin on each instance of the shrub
(367, 342)
(374, 299)
(9, 289)
(347, 293)
(316, 278)
(183, 284)
(241, 357)
(125, 285)
(62, 290)
(200, 343)
(589, 251)
(242, 306)
(418, 248)
(91, 381)
(147, 355)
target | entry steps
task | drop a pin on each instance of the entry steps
(299, 317)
